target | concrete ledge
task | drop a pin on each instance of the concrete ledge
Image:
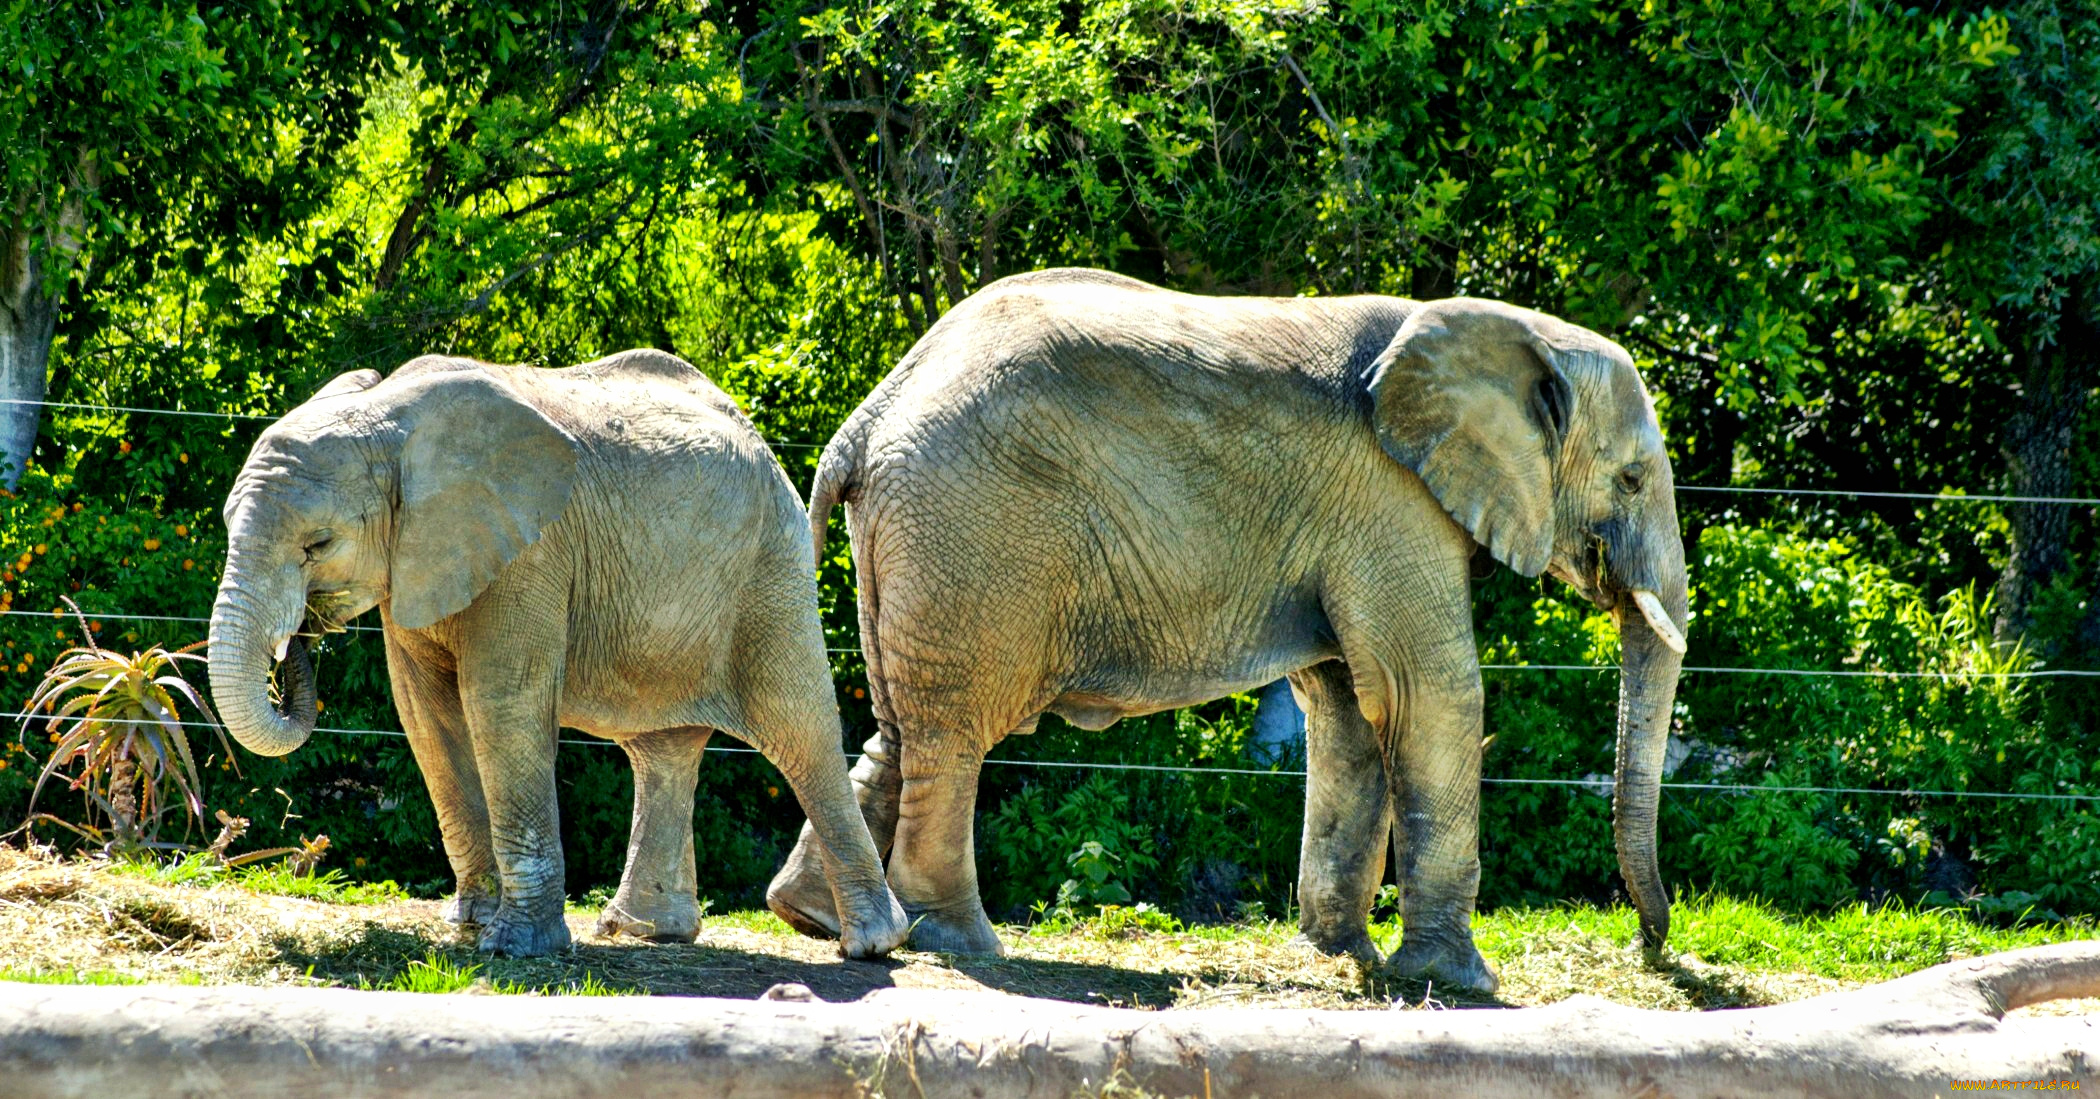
(1913, 1036)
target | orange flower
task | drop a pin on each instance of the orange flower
(78, 506)
(182, 530)
(152, 544)
(188, 564)
(39, 549)
(184, 458)
(124, 446)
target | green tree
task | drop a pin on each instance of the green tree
(128, 130)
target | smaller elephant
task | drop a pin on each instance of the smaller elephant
(609, 547)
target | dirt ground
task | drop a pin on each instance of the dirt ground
(66, 918)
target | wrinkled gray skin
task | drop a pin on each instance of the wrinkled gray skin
(1084, 495)
(609, 547)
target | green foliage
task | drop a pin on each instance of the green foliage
(1036, 838)
(1093, 884)
(1773, 844)
(1766, 597)
(1107, 921)
(1827, 233)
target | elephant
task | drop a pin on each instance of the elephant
(1085, 495)
(609, 547)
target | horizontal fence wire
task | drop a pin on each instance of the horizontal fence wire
(1599, 785)
(1835, 673)
(75, 406)
(1936, 497)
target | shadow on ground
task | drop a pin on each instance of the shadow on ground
(376, 956)
(739, 963)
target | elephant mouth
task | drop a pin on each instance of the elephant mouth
(1594, 581)
(326, 613)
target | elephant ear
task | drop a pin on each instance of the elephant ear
(483, 473)
(1471, 396)
(351, 381)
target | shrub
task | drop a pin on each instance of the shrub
(118, 722)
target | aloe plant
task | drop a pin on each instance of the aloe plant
(117, 727)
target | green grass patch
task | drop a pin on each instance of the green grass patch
(274, 878)
(1854, 943)
(86, 977)
(758, 920)
(438, 973)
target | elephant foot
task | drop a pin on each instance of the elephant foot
(470, 908)
(513, 934)
(803, 900)
(875, 927)
(961, 932)
(660, 918)
(1355, 944)
(1443, 964)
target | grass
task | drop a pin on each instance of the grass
(439, 973)
(274, 879)
(74, 922)
(77, 977)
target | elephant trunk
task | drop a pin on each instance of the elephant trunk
(1651, 644)
(244, 627)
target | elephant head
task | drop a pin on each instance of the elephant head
(1540, 440)
(412, 492)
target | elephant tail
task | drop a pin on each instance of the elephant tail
(833, 484)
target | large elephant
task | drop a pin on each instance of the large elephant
(1084, 495)
(609, 547)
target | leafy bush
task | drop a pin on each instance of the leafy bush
(1776, 845)
(1035, 840)
(1766, 597)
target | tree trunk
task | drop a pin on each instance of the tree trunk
(33, 247)
(1918, 1035)
(28, 315)
(2038, 445)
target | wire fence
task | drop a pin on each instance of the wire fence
(1599, 785)
(1937, 497)
(1836, 673)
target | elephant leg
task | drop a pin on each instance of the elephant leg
(1347, 816)
(801, 893)
(1433, 766)
(428, 701)
(933, 867)
(658, 897)
(510, 695)
(1406, 631)
(871, 922)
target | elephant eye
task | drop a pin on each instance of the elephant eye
(319, 545)
(1630, 479)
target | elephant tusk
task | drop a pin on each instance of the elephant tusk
(1659, 620)
(284, 645)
